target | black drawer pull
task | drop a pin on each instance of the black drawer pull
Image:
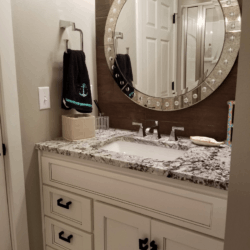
(65, 239)
(143, 242)
(59, 204)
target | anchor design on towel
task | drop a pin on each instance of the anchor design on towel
(83, 94)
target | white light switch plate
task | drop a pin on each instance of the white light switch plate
(44, 97)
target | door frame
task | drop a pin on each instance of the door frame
(11, 130)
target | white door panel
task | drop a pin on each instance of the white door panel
(168, 237)
(151, 65)
(151, 9)
(165, 65)
(116, 228)
(165, 13)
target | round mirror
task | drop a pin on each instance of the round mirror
(170, 54)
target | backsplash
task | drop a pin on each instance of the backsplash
(208, 118)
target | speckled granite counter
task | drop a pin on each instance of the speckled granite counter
(209, 166)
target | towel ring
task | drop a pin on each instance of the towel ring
(66, 24)
(116, 36)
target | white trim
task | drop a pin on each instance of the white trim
(12, 132)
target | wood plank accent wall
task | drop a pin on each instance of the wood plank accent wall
(208, 118)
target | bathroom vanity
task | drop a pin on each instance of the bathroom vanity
(98, 199)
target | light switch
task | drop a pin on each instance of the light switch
(44, 97)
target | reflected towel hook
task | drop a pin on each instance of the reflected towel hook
(127, 51)
(66, 24)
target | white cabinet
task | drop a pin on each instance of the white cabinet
(109, 209)
(116, 228)
(168, 237)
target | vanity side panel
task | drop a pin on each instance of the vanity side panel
(196, 211)
(41, 198)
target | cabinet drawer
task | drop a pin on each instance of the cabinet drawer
(60, 236)
(77, 214)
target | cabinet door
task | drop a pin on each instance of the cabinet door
(116, 228)
(168, 237)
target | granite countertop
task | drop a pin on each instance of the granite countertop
(208, 166)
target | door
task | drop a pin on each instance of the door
(168, 237)
(158, 50)
(116, 228)
(5, 241)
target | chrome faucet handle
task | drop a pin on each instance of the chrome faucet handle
(140, 132)
(137, 124)
(178, 128)
(173, 136)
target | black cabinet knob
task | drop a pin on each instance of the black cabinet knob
(153, 245)
(59, 204)
(65, 239)
(143, 242)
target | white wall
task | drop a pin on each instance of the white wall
(39, 48)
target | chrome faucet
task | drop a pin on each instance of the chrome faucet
(155, 130)
(141, 132)
(173, 136)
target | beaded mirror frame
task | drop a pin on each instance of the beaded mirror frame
(232, 14)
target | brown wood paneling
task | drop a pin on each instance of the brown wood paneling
(102, 8)
(119, 97)
(100, 30)
(208, 118)
(105, 80)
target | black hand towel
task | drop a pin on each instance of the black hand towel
(124, 64)
(76, 84)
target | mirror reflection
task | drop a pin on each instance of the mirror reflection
(166, 48)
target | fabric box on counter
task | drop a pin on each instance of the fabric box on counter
(78, 127)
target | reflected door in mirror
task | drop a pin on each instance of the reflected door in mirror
(158, 50)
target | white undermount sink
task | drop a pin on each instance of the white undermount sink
(146, 151)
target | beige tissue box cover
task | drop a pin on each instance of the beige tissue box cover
(78, 127)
